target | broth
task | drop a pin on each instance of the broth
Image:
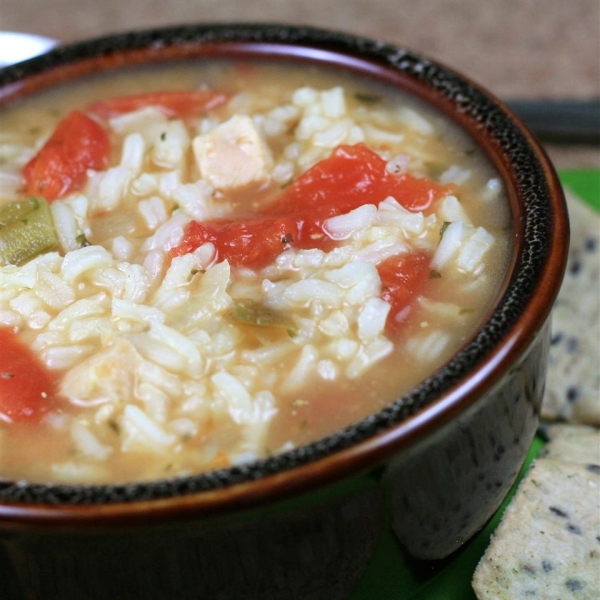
(179, 348)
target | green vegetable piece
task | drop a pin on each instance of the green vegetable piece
(26, 230)
(82, 240)
(250, 312)
(17, 210)
(367, 98)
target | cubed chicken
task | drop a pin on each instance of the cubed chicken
(233, 155)
(109, 374)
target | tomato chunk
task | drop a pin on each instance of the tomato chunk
(353, 176)
(350, 177)
(402, 280)
(26, 386)
(252, 242)
(79, 143)
(172, 103)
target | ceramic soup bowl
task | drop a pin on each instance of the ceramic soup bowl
(434, 465)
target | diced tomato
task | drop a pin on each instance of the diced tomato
(353, 176)
(236, 241)
(79, 143)
(402, 280)
(26, 386)
(187, 103)
(196, 234)
(350, 177)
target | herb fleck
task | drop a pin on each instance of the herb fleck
(82, 241)
(528, 569)
(444, 227)
(367, 98)
(114, 426)
(573, 585)
(547, 566)
(572, 394)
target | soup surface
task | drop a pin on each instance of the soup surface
(203, 264)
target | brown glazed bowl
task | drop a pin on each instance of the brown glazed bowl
(434, 465)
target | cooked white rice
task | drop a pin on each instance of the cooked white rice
(165, 332)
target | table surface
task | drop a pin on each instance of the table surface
(527, 49)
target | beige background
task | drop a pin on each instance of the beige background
(516, 48)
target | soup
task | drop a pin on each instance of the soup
(207, 264)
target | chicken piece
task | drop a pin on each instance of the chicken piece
(107, 375)
(233, 155)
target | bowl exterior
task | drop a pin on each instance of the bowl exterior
(446, 488)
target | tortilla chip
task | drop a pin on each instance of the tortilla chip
(573, 384)
(571, 443)
(548, 543)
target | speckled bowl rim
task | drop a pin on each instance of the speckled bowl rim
(531, 287)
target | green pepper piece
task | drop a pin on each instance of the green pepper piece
(367, 98)
(250, 312)
(17, 210)
(26, 230)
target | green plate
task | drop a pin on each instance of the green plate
(388, 576)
